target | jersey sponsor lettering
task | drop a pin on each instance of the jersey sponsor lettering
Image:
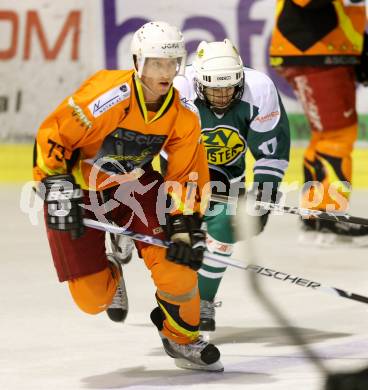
(124, 150)
(142, 139)
(224, 144)
(79, 114)
(189, 105)
(109, 99)
(267, 117)
(219, 247)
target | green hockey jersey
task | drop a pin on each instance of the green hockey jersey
(258, 122)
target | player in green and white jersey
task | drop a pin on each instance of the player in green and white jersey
(239, 108)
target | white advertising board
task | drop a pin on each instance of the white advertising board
(47, 48)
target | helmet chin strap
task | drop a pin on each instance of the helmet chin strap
(144, 85)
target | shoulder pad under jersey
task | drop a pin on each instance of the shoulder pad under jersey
(260, 92)
(119, 89)
(188, 104)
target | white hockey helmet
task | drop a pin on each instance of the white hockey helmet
(218, 65)
(158, 40)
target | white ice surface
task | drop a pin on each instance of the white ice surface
(47, 343)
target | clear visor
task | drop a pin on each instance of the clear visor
(161, 68)
(219, 97)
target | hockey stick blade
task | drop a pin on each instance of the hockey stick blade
(302, 212)
(259, 270)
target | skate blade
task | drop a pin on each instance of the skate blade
(188, 365)
(307, 238)
(331, 240)
(361, 242)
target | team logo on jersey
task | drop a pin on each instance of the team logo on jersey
(224, 145)
(131, 149)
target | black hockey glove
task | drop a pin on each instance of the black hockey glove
(189, 241)
(64, 199)
(259, 216)
(361, 70)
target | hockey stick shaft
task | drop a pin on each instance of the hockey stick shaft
(306, 213)
(259, 270)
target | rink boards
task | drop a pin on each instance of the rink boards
(16, 165)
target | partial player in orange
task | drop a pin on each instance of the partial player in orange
(94, 153)
(317, 47)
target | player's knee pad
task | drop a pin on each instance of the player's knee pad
(327, 183)
(338, 143)
(93, 293)
(336, 169)
(166, 274)
(328, 157)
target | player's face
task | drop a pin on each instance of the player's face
(219, 97)
(158, 74)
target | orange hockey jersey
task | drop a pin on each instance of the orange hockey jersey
(104, 135)
(318, 32)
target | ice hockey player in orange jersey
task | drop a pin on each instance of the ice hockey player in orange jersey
(317, 46)
(95, 150)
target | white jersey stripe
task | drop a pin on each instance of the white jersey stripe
(210, 275)
(272, 163)
(266, 172)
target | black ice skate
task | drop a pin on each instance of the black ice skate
(199, 355)
(330, 233)
(118, 309)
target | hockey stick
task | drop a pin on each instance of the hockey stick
(260, 270)
(306, 213)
